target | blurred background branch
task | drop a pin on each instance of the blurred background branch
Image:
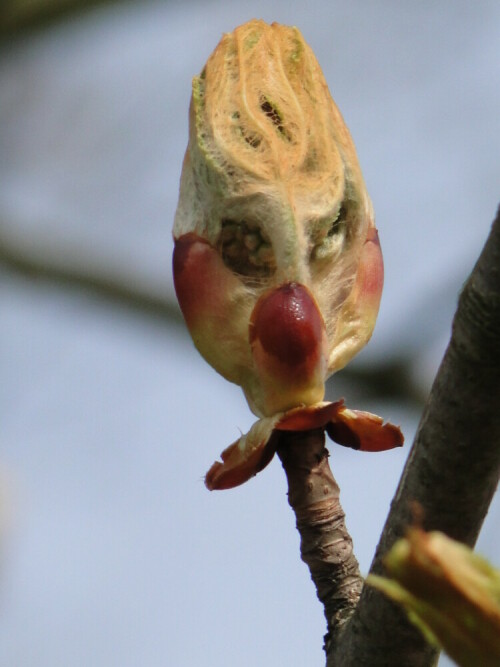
(37, 267)
(18, 16)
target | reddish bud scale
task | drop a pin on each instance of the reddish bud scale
(364, 431)
(350, 428)
(286, 327)
(193, 271)
(371, 268)
(212, 300)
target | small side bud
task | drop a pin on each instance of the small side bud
(449, 592)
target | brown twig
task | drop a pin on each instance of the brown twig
(452, 471)
(326, 546)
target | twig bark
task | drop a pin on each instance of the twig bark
(453, 468)
(326, 546)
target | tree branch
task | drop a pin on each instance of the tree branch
(452, 471)
(326, 546)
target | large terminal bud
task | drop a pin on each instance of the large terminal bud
(277, 264)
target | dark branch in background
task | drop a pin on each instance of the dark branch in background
(326, 546)
(117, 292)
(20, 16)
(452, 471)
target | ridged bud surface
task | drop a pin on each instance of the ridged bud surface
(272, 186)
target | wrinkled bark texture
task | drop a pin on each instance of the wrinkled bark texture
(325, 546)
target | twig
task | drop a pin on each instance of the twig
(326, 546)
(452, 471)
